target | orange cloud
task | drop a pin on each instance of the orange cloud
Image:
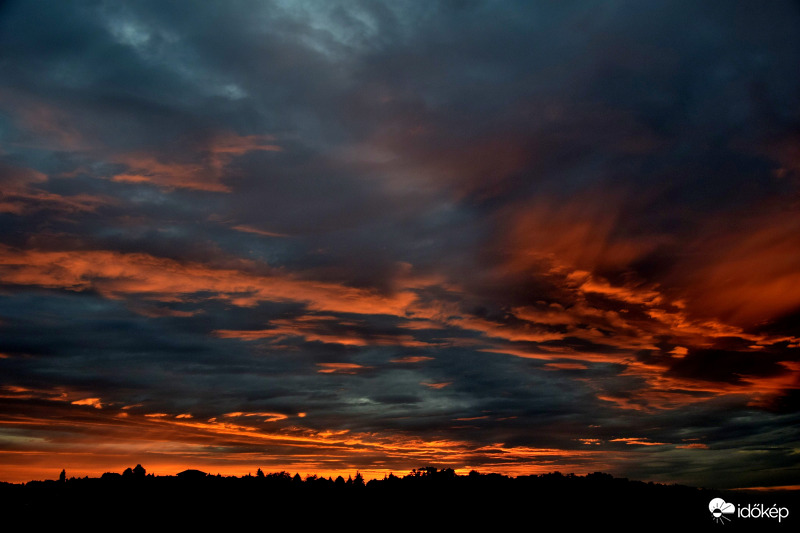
(638, 441)
(228, 144)
(340, 368)
(422, 324)
(529, 331)
(412, 359)
(734, 278)
(663, 391)
(322, 329)
(724, 283)
(268, 417)
(116, 275)
(524, 332)
(577, 235)
(204, 175)
(21, 196)
(747, 276)
(26, 393)
(694, 445)
(94, 402)
(148, 169)
(250, 229)
(439, 385)
(566, 366)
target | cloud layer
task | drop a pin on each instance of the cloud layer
(329, 236)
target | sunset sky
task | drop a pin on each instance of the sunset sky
(329, 236)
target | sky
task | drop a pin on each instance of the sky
(335, 236)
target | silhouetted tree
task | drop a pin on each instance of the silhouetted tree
(139, 471)
(62, 477)
(479, 494)
(259, 473)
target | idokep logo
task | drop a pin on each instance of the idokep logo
(719, 508)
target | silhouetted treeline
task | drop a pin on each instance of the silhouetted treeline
(436, 497)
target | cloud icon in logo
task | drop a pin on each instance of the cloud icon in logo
(719, 507)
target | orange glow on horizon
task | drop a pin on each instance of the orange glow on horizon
(168, 444)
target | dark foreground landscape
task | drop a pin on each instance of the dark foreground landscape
(426, 496)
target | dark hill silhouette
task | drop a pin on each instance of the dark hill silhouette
(192, 475)
(439, 498)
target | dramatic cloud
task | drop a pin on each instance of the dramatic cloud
(335, 236)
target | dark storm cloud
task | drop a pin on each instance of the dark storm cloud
(727, 365)
(517, 236)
